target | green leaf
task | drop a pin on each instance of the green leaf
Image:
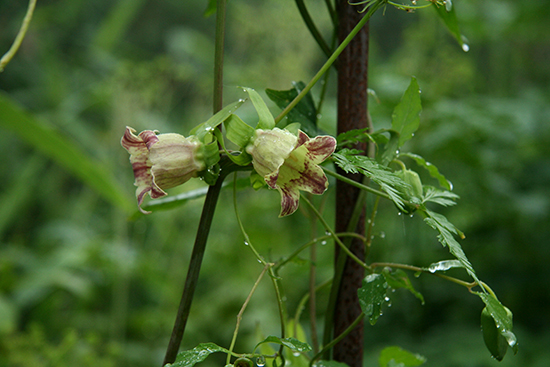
(406, 115)
(397, 278)
(349, 138)
(432, 170)
(196, 355)
(237, 131)
(371, 295)
(502, 316)
(208, 127)
(449, 18)
(210, 8)
(291, 343)
(444, 198)
(446, 230)
(304, 112)
(65, 152)
(351, 161)
(400, 357)
(266, 120)
(390, 149)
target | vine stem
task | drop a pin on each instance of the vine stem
(193, 271)
(209, 206)
(241, 312)
(330, 61)
(20, 36)
(335, 236)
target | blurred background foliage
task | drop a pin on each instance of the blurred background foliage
(82, 285)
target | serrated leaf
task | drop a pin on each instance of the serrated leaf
(406, 115)
(444, 198)
(400, 357)
(503, 318)
(371, 296)
(291, 343)
(432, 170)
(449, 18)
(351, 161)
(266, 120)
(304, 112)
(397, 278)
(63, 151)
(446, 230)
(351, 137)
(208, 127)
(196, 355)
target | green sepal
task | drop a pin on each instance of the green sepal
(256, 180)
(210, 153)
(266, 120)
(237, 131)
(202, 130)
(242, 159)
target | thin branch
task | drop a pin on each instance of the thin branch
(19, 38)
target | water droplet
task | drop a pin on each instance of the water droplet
(397, 152)
(246, 243)
(387, 299)
(242, 100)
(399, 213)
(323, 243)
(465, 47)
(411, 215)
(382, 234)
(327, 233)
(260, 361)
(296, 354)
(450, 185)
(319, 116)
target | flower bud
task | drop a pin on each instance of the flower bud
(162, 161)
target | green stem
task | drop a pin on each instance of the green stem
(330, 61)
(20, 36)
(463, 283)
(273, 276)
(193, 271)
(218, 55)
(315, 240)
(312, 28)
(334, 235)
(356, 184)
(336, 340)
(241, 312)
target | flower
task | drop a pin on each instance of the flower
(289, 163)
(161, 161)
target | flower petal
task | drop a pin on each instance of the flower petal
(290, 199)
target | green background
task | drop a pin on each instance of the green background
(82, 285)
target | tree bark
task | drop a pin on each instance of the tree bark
(352, 114)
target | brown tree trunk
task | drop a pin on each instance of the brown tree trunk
(352, 114)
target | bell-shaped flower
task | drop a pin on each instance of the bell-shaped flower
(289, 163)
(161, 161)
